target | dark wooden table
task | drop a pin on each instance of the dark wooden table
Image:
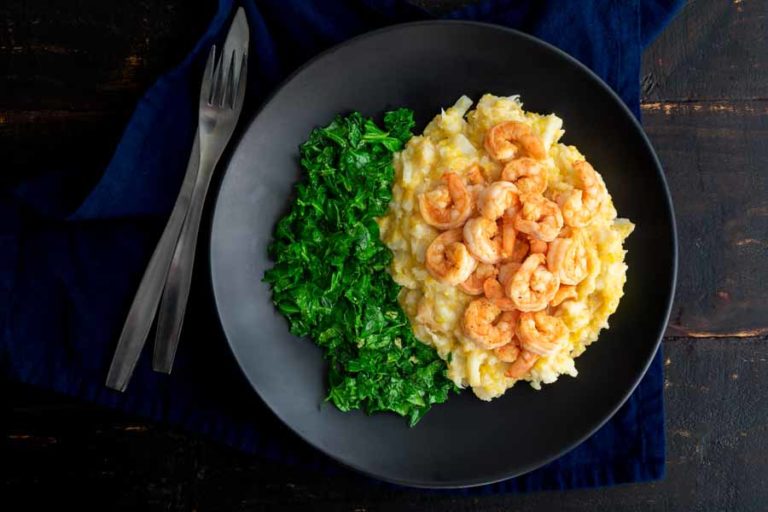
(70, 73)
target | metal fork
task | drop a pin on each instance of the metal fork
(218, 117)
(221, 99)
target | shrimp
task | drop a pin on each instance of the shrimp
(497, 199)
(495, 293)
(447, 206)
(567, 257)
(522, 365)
(564, 293)
(508, 353)
(541, 333)
(487, 325)
(507, 271)
(482, 238)
(520, 252)
(508, 234)
(539, 217)
(532, 286)
(528, 175)
(476, 183)
(474, 284)
(538, 246)
(506, 140)
(580, 205)
(448, 259)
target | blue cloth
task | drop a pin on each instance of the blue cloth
(71, 257)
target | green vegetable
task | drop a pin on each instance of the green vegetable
(330, 278)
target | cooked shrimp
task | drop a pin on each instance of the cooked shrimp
(476, 184)
(580, 205)
(487, 325)
(495, 293)
(520, 252)
(538, 246)
(528, 175)
(522, 365)
(541, 333)
(507, 140)
(567, 257)
(497, 198)
(482, 238)
(508, 234)
(447, 206)
(474, 284)
(507, 271)
(532, 286)
(508, 353)
(448, 259)
(564, 293)
(539, 217)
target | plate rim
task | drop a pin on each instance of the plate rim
(670, 295)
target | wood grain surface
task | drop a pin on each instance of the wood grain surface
(70, 74)
(715, 159)
(705, 107)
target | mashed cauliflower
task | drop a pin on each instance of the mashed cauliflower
(453, 141)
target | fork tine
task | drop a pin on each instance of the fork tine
(229, 84)
(205, 88)
(241, 81)
(218, 76)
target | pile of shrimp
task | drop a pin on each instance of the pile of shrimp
(514, 245)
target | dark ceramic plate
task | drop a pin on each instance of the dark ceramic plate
(426, 66)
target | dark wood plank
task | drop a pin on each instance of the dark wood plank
(715, 156)
(713, 50)
(705, 91)
(73, 453)
(70, 75)
(91, 55)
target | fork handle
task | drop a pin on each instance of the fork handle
(179, 280)
(144, 305)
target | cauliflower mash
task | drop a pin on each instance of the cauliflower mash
(506, 244)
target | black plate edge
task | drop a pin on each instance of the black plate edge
(670, 293)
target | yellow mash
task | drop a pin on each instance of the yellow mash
(452, 142)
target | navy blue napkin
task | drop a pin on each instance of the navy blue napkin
(68, 273)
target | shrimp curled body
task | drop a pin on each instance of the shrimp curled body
(541, 333)
(487, 325)
(533, 286)
(448, 259)
(539, 217)
(567, 257)
(509, 139)
(497, 199)
(580, 206)
(447, 206)
(522, 364)
(528, 175)
(483, 239)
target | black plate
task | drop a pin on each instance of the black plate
(426, 66)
